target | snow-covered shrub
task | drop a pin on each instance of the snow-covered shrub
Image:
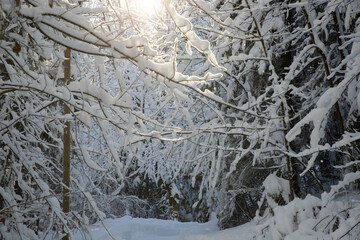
(334, 215)
(276, 191)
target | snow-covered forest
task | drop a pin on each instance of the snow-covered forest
(183, 110)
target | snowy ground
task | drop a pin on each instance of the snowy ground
(128, 228)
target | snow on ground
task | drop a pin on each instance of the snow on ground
(243, 232)
(128, 228)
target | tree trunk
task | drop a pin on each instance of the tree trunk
(339, 117)
(67, 139)
(288, 160)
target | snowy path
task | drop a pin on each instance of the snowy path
(128, 228)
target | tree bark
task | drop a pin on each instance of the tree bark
(67, 140)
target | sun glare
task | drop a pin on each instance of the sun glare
(146, 7)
